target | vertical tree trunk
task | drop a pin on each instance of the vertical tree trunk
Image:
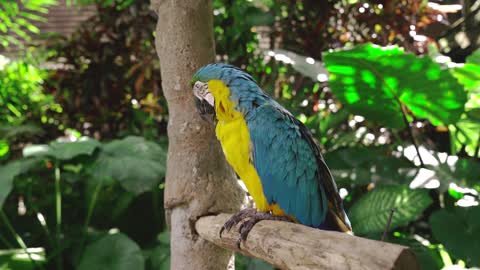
(198, 180)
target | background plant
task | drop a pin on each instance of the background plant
(398, 126)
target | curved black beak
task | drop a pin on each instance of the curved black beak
(204, 102)
(206, 111)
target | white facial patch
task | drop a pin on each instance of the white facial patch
(200, 90)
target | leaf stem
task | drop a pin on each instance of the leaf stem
(402, 107)
(58, 215)
(6, 242)
(477, 149)
(18, 238)
(410, 133)
(387, 227)
(91, 207)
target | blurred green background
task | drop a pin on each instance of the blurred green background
(390, 89)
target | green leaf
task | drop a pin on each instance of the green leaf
(248, 263)
(159, 256)
(427, 256)
(10, 132)
(258, 17)
(370, 213)
(467, 171)
(18, 259)
(465, 134)
(136, 163)
(4, 149)
(364, 165)
(69, 150)
(458, 231)
(63, 150)
(113, 252)
(469, 74)
(374, 81)
(8, 173)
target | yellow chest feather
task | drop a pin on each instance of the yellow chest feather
(232, 132)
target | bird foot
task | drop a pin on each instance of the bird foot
(253, 217)
(237, 218)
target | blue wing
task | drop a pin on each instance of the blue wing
(290, 167)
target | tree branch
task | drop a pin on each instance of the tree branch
(293, 246)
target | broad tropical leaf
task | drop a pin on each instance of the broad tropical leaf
(458, 231)
(115, 252)
(136, 163)
(374, 81)
(63, 150)
(9, 171)
(364, 165)
(17, 19)
(19, 259)
(159, 256)
(69, 150)
(465, 135)
(370, 213)
(469, 74)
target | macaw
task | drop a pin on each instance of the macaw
(271, 151)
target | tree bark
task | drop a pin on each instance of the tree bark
(294, 246)
(198, 180)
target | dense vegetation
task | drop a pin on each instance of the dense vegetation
(83, 144)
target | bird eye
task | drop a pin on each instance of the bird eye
(198, 85)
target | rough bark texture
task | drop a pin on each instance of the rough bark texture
(293, 246)
(198, 181)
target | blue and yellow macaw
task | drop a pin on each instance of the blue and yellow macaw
(271, 151)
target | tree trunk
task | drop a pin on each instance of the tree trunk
(198, 181)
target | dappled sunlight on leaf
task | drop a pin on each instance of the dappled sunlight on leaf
(370, 213)
(375, 81)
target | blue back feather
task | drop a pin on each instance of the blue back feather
(287, 160)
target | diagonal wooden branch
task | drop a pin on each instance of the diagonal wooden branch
(293, 246)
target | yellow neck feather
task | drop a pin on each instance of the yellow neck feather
(232, 132)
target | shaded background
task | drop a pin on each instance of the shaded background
(83, 121)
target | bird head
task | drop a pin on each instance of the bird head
(223, 90)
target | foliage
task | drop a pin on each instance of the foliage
(78, 172)
(125, 255)
(21, 95)
(23, 104)
(370, 213)
(17, 20)
(466, 133)
(375, 109)
(393, 81)
(110, 80)
(459, 234)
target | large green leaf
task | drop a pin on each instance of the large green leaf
(364, 165)
(112, 252)
(469, 74)
(465, 135)
(4, 149)
(17, 19)
(249, 263)
(370, 213)
(374, 81)
(9, 171)
(428, 256)
(69, 150)
(18, 259)
(159, 256)
(136, 163)
(14, 132)
(459, 232)
(63, 150)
